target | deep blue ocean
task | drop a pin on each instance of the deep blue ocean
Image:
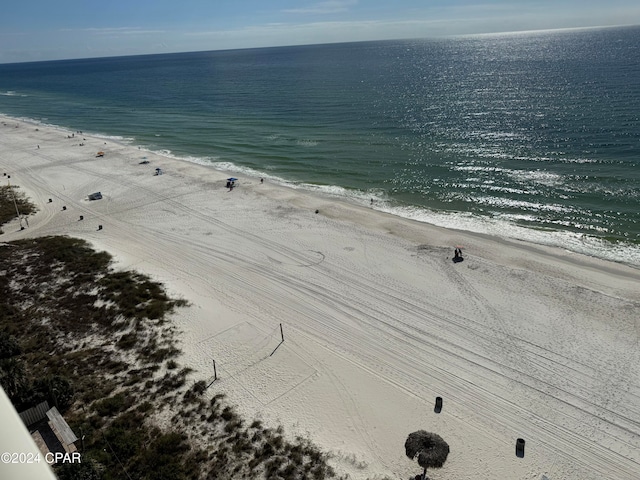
(534, 136)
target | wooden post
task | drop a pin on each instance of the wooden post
(53, 393)
(14, 202)
(215, 373)
(82, 438)
(281, 333)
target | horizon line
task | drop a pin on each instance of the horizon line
(435, 37)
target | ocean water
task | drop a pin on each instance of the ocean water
(534, 136)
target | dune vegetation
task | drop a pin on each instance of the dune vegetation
(99, 344)
(11, 198)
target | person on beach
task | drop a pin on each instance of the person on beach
(262, 180)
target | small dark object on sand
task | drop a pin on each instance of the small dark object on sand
(317, 211)
(438, 407)
(520, 448)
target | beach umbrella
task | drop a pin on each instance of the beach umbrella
(428, 448)
(232, 179)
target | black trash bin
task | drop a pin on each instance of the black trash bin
(520, 448)
(438, 407)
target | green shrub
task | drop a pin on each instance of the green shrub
(256, 424)
(228, 414)
(9, 346)
(14, 380)
(127, 341)
(84, 470)
(112, 405)
(145, 407)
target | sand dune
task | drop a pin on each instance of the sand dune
(519, 340)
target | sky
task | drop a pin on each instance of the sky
(34, 30)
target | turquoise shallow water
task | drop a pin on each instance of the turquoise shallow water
(533, 136)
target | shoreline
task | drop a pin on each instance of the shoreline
(626, 254)
(521, 340)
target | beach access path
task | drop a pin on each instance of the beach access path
(519, 340)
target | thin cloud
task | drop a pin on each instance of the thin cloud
(323, 8)
(114, 30)
(347, 26)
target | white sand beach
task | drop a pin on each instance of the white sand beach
(519, 340)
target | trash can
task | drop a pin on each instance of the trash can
(520, 448)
